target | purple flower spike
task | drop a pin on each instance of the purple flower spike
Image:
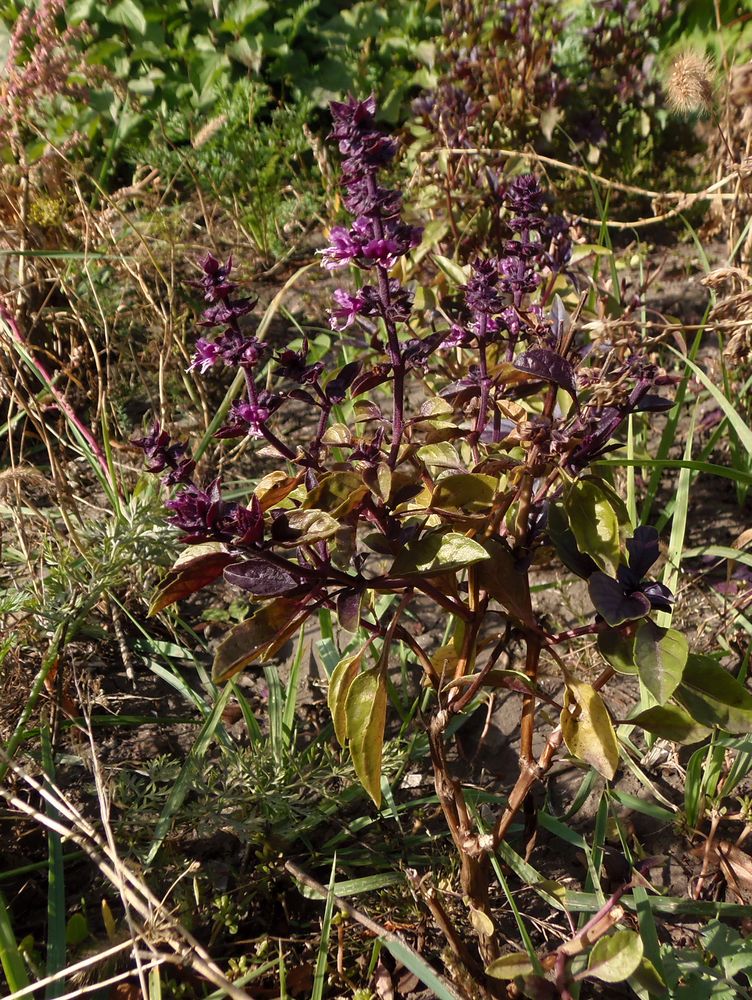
(524, 195)
(482, 290)
(343, 250)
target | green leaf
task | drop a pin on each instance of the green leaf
(441, 455)
(589, 733)
(616, 957)
(365, 711)
(128, 13)
(309, 527)
(340, 681)
(670, 723)
(647, 977)
(469, 492)
(337, 494)
(438, 552)
(713, 697)
(516, 963)
(617, 649)
(660, 655)
(257, 638)
(594, 524)
(500, 577)
(457, 274)
(441, 988)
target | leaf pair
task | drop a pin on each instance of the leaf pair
(358, 702)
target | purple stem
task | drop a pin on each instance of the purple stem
(393, 346)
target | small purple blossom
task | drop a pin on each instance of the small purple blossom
(347, 308)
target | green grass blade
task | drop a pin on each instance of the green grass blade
(732, 415)
(56, 944)
(319, 976)
(10, 957)
(291, 694)
(676, 463)
(678, 523)
(419, 967)
(183, 784)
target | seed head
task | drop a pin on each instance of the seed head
(689, 84)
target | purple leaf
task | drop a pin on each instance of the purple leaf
(612, 603)
(348, 609)
(654, 404)
(643, 551)
(550, 366)
(262, 578)
(336, 390)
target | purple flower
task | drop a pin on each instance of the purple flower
(517, 278)
(215, 280)
(227, 311)
(347, 308)
(249, 523)
(400, 302)
(232, 348)
(294, 365)
(342, 251)
(482, 290)
(202, 514)
(161, 454)
(206, 356)
(244, 418)
(524, 195)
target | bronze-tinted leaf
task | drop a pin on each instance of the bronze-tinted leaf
(499, 576)
(258, 638)
(437, 552)
(337, 493)
(190, 575)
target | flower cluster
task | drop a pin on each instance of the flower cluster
(162, 454)
(204, 516)
(378, 236)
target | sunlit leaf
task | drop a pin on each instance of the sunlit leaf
(464, 491)
(670, 723)
(337, 494)
(436, 552)
(660, 655)
(587, 728)
(365, 710)
(342, 677)
(614, 958)
(594, 524)
(304, 527)
(516, 963)
(713, 697)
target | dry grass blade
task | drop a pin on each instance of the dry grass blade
(158, 922)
